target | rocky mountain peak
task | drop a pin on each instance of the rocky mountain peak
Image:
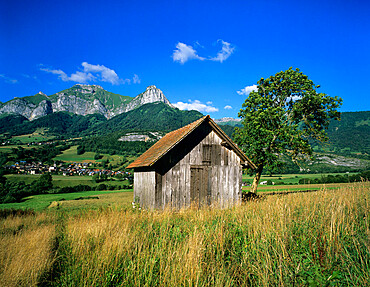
(82, 100)
(151, 95)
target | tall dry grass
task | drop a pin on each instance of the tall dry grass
(319, 239)
(26, 252)
(297, 239)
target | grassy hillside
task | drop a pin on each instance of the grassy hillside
(61, 124)
(154, 116)
(36, 99)
(157, 116)
(349, 135)
(9, 122)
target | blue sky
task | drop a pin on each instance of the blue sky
(202, 54)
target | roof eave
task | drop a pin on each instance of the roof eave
(237, 150)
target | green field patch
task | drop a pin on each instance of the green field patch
(8, 148)
(42, 201)
(70, 155)
(290, 178)
(38, 136)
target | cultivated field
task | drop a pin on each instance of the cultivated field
(38, 136)
(70, 155)
(316, 239)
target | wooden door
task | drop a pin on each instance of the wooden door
(199, 185)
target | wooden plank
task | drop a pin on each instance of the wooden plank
(158, 191)
(215, 184)
(225, 156)
(203, 189)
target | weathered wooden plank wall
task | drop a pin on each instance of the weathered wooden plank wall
(224, 173)
(144, 188)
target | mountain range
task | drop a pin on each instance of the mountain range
(89, 110)
(81, 100)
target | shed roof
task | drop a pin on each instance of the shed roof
(165, 144)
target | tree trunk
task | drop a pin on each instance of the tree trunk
(256, 179)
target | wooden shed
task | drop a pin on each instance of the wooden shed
(195, 165)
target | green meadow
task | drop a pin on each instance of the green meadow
(70, 155)
(37, 136)
(289, 178)
(76, 200)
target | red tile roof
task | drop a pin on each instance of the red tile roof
(161, 147)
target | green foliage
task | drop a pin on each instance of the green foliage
(339, 178)
(98, 156)
(14, 191)
(282, 116)
(350, 134)
(228, 129)
(149, 117)
(111, 145)
(43, 184)
(80, 150)
(62, 124)
(8, 122)
(43, 153)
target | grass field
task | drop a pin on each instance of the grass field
(263, 189)
(70, 155)
(309, 239)
(8, 148)
(289, 178)
(37, 136)
(67, 201)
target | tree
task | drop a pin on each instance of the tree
(281, 117)
(42, 184)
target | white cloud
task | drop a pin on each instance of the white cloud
(228, 107)
(247, 90)
(79, 77)
(106, 74)
(184, 53)
(294, 98)
(209, 103)
(224, 53)
(92, 73)
(8, 80)
(196, 105)
(136, 79)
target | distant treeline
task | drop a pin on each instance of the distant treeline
(111, 145)
(15, 191)
(362, 176)
(44, 153)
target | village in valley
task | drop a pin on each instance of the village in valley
(65, 169)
